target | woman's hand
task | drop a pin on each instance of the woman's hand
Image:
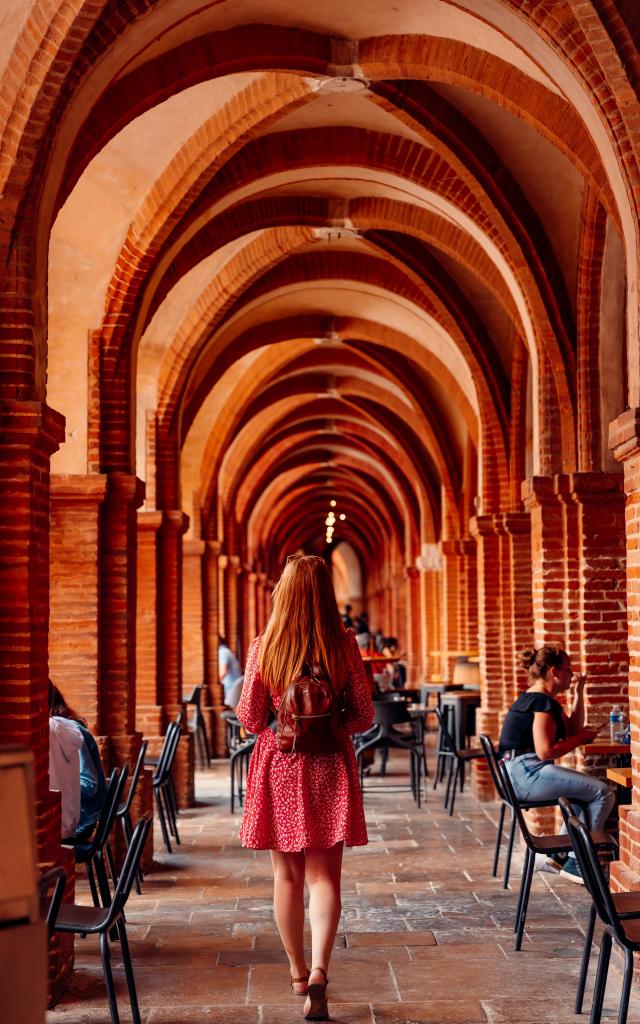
(578, 679)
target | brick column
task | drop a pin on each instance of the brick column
(29, 434)
(547, 559)
(251, 609)
(261, 601)
(450, 609)
(483, 529)
(117, 635)
(213, 704)
(571, 545)
(468, 605)
(431, 595)
(624, 441)
(518, 528)
(169, 540)
(414, 626)
(192, 613)
(148, 703)
(231, 570)
(74, 590)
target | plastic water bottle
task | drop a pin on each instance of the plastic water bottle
(616, 721)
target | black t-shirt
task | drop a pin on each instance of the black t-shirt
(517, 731)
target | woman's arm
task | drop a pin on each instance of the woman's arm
(544, 732)
(575, 721)
(359, 707)
(254, 704)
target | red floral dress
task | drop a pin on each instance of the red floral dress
(297, 801)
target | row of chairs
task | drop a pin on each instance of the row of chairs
(619, 913)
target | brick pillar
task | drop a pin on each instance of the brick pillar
(261, 601)
(169, 541)
(547, 559)
(518, 528)
(250, 598)
(624, 441)
(148, 703)
(74, 590)
(431, 593)
(468, 607)
(483, 529)
(192, 613)
(571, 545)
(232, 567)
(414, 631)
(450, 609)
(117, 635)
(214, 704)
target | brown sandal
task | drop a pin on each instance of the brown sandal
(317, 993)
(293, 981)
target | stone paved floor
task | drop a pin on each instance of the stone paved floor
(426, 933)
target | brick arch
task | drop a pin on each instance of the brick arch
(299, 428)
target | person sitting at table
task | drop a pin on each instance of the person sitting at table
(536, 731)
(75, 768)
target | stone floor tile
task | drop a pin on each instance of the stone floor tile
(384, 939)
(343, 1013)
(429, 1011)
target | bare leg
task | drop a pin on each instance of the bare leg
(288, 905)
(322, 873)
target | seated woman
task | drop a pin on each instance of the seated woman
(64, 722)
(536, 731)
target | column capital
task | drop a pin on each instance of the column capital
(29, 422)
(78, 488)
(482, 526)
(125, 488)
(537, 491)
(223, 561)
(516, 522)
(411, 572)
(233, 562)
(193, 547)
(213, 547)
(251, 575)
(174, 521)
(624, 435)
(149, 520)
(449, 547)
(596, 486)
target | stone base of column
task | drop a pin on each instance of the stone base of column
(625, 873)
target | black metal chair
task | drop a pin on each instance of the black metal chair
(386, 735)
(459, 758)
(546, 845)
(623, 905)
(197, 725)
(51, 882)
(124, 810)
(240, 745)
(94, 852)
(491, 757)
(162, 785)
(82, 920)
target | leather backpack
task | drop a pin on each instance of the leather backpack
(309, 718)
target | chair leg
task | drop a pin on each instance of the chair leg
(170, 805)
(462, 769)
(626, 986)
(112, 865)
(601, 979)
(527, 880)
(448, 789)
(92, 884)
(108, 978)
(507, 863)
(128, 970)
(103, 881)
(456, 776)
(525, 867)
(161, 818)
(496, 852)
(586, 956)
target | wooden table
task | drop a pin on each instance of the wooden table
(606, 748)
(463, 704)
(621, 776)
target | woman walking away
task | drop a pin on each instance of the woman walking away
(305, 806)
(536, 731)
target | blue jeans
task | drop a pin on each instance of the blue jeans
(533, 779)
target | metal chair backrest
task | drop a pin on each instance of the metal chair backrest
(54, 879)
(125, 807)
(129, 869)
(446, 735)
(513, 802)
(491, 758)
(107, 817)
(567, 809)
(386, 714)
(593, 876)
(165, 751)
(173, 748)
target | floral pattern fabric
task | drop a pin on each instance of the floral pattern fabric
(297, 801)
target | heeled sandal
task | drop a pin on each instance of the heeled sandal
(317, 995)
(299, 981)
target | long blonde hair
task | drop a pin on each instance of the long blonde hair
(304, 625)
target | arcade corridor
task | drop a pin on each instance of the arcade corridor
(356, 279)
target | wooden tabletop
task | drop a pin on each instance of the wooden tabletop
(606, 747)
(620, 775)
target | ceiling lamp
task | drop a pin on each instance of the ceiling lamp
(342, 83)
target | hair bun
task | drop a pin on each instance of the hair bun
(528, 658)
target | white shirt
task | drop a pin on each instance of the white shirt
(65, 741)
